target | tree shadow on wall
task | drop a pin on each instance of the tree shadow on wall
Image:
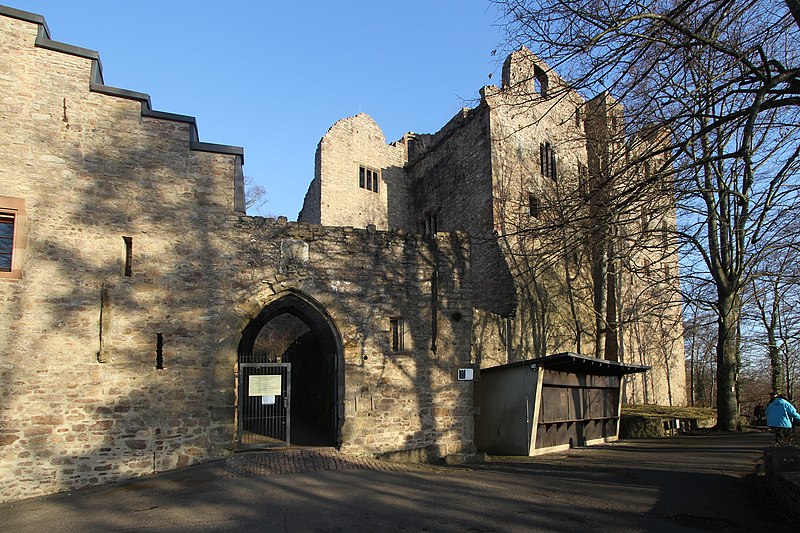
(77, 418)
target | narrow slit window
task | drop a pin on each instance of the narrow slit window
(128, 271)
(398, 327)
(431, 224)
(507, 336)
(7, 223)
(583, 179)
(547, 160)
(159, 351)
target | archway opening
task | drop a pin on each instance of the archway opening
(297, 333)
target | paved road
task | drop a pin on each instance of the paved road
(688, 483)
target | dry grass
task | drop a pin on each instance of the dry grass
(665, 411)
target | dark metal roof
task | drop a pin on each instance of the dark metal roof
(577, 364)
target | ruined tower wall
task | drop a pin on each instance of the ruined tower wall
(340, 195)
(450, 174)
(532, 109)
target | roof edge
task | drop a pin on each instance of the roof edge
(576, 363)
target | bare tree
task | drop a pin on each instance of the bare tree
(774, 313)
(700, 338)
(255, 196)
(722, 77)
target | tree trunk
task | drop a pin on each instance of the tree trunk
(599, 274)
(794, 9)
(727, 362)
(775, 363)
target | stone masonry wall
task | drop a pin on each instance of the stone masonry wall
(450, 173)
(335, 197)
(553, 305)
(81, 399)
(91, 170)
(391, 401)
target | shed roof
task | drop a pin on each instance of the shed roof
(577, 364)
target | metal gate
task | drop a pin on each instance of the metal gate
(264, 405)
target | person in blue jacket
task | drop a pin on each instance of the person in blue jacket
(780, 414)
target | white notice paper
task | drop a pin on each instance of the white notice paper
(264, 386)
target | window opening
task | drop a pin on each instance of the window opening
(159, 351)
(7, 221)
(547, 160)
(578, 118)
(507, 336)
(398, 327)
(368, 178)
(533, 206)
(431, 224)
(539, 81)
(583, 181)
(128, 256)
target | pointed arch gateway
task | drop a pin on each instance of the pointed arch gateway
(290, 377)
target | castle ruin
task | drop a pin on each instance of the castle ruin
(149, 324)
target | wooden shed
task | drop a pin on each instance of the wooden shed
(549, 404)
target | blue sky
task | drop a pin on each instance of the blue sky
(274, 76)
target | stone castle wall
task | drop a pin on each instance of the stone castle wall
(391, 401)
(533, 106)
(82, 399)
(91, 170)
(451, 177)
(336, 198)
(532, 243)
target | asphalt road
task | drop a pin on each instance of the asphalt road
(687, 483)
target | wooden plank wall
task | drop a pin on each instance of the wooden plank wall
(576, 408)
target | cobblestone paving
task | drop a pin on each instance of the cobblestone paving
(268, 463)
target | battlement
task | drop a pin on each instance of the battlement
(97, 83)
